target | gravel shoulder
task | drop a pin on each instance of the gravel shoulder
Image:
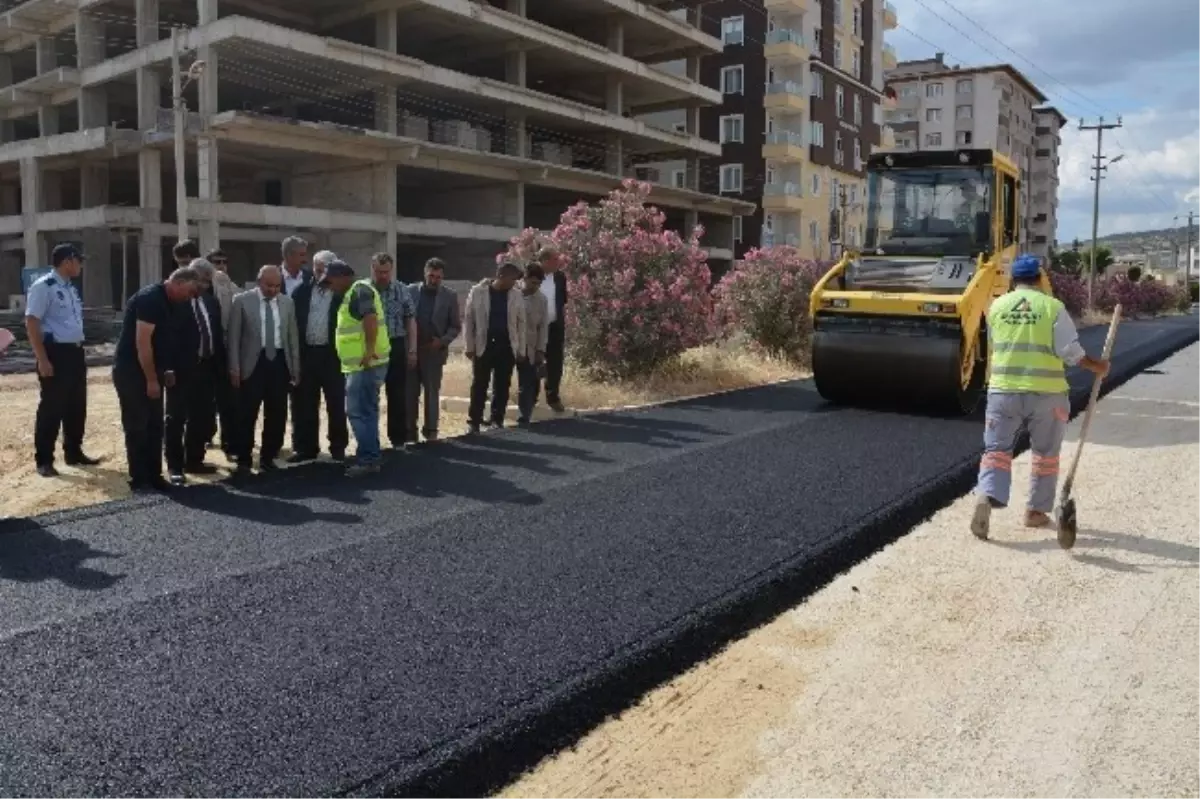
(947, 666)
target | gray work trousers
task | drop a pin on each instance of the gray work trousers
(1045, 416)
(425, 381)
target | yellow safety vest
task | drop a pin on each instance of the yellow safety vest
(350, 339)
(1021, 329)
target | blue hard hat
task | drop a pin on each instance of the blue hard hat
(1026, 265)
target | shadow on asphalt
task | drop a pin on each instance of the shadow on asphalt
(631, 428)
(518, 450)
(1110, 551)
(256, 507)
(29, 553)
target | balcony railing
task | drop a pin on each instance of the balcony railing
(786, 87)
(788, 189)
(784, 35)
(780, 240)
(786, 137)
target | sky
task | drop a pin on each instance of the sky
(1090, 58)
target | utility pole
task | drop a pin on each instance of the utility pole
(1187, 257)
(179, 82)
(1098, 169)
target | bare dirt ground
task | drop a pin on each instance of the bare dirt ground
(24, 493)
(946, 666)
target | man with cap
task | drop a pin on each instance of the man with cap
(363, 348)
(54, 324)
(1032, 337)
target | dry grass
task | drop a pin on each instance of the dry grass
(700, 371)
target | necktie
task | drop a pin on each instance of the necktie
(205, 338)
(269, 333)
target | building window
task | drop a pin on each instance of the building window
(908, 91)
(839, 156)
(737, 228)
(818, 82)
(816, 184)
(731, 128)
(837, 12)
(933, 139)
(839, 101)
(933, 89)
(858, 110)
(963, 86)
(854, 186)
(856, 64)
(933, 115)
(964, 112)
(732, 30)
(858, 20)
(770, 175)
(857, 152)
(733, 79)
(818, 134)
(768, 223)
(837, 54)
(814, 233)
(770, 127)
(679, 179)
(731, 178)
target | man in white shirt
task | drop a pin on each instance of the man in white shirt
(554, 288)
(295, 252)
(199, 365)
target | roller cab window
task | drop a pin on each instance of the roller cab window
(930, 211)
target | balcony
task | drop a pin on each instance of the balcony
(889, 57)
(890, 20)
(785, 95)
(782, 197)
(785, 145)
(790, 6)
(780, 240)
(785, 46)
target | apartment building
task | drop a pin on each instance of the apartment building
(939, 106)
(420, 127)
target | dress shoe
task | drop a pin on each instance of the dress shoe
(177, 479)
(200, 468)
(301, 457)
(267, 465)
(47, 470)
(159, 484)
(338, 456)
(79, 459)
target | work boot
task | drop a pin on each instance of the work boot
(1036, 518)
(981, 519)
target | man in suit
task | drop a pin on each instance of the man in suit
(223, 290)
(264, 364)
(199, 365)
(317, 305)
(554, 288)
(295, 252)
(438, 324)
(493, 334)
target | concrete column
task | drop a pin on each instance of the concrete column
(516, 134)
(36, 252)
(614, 156)
(616, 36)
(615, 95)
(691, 68)
(514, 206)
(383, 192)
(516, 69)
(90, 35)
(97, 242)
(206, 146)
(518, 7)
(691, 121)
(387, 115)
(693, 16)
(690, 220)
(148, 80)
(151, 198)
(47, 61)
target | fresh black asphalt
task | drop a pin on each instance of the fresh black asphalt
(436, 628)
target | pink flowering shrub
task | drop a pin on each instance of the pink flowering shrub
(1071, 290)
(766, 297)
(1145, 297)
(639, 295)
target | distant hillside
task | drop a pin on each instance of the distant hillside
(1143, 240)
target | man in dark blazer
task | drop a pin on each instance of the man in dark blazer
(320, 369)
(199, 365)
(295, 253)
(554, 287)
(438, 324)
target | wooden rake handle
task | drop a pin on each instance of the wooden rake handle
(1087, 418)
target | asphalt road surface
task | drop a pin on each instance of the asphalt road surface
(309, 635)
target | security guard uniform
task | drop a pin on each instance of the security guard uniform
(1032, 338)
(56, 305)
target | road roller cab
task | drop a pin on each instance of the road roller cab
(902, 322)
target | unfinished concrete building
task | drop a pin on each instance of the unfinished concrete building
(419, 127)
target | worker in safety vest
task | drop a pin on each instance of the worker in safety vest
(362, 345)
(1031, 336)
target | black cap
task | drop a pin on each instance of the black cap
(336, 269)
(62, 252)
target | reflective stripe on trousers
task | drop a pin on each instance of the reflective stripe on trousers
(1045, 417)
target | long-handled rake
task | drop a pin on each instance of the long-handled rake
(1067, 520)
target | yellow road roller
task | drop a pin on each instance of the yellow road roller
(901, 323)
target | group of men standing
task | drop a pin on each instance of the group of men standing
(198, 359)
